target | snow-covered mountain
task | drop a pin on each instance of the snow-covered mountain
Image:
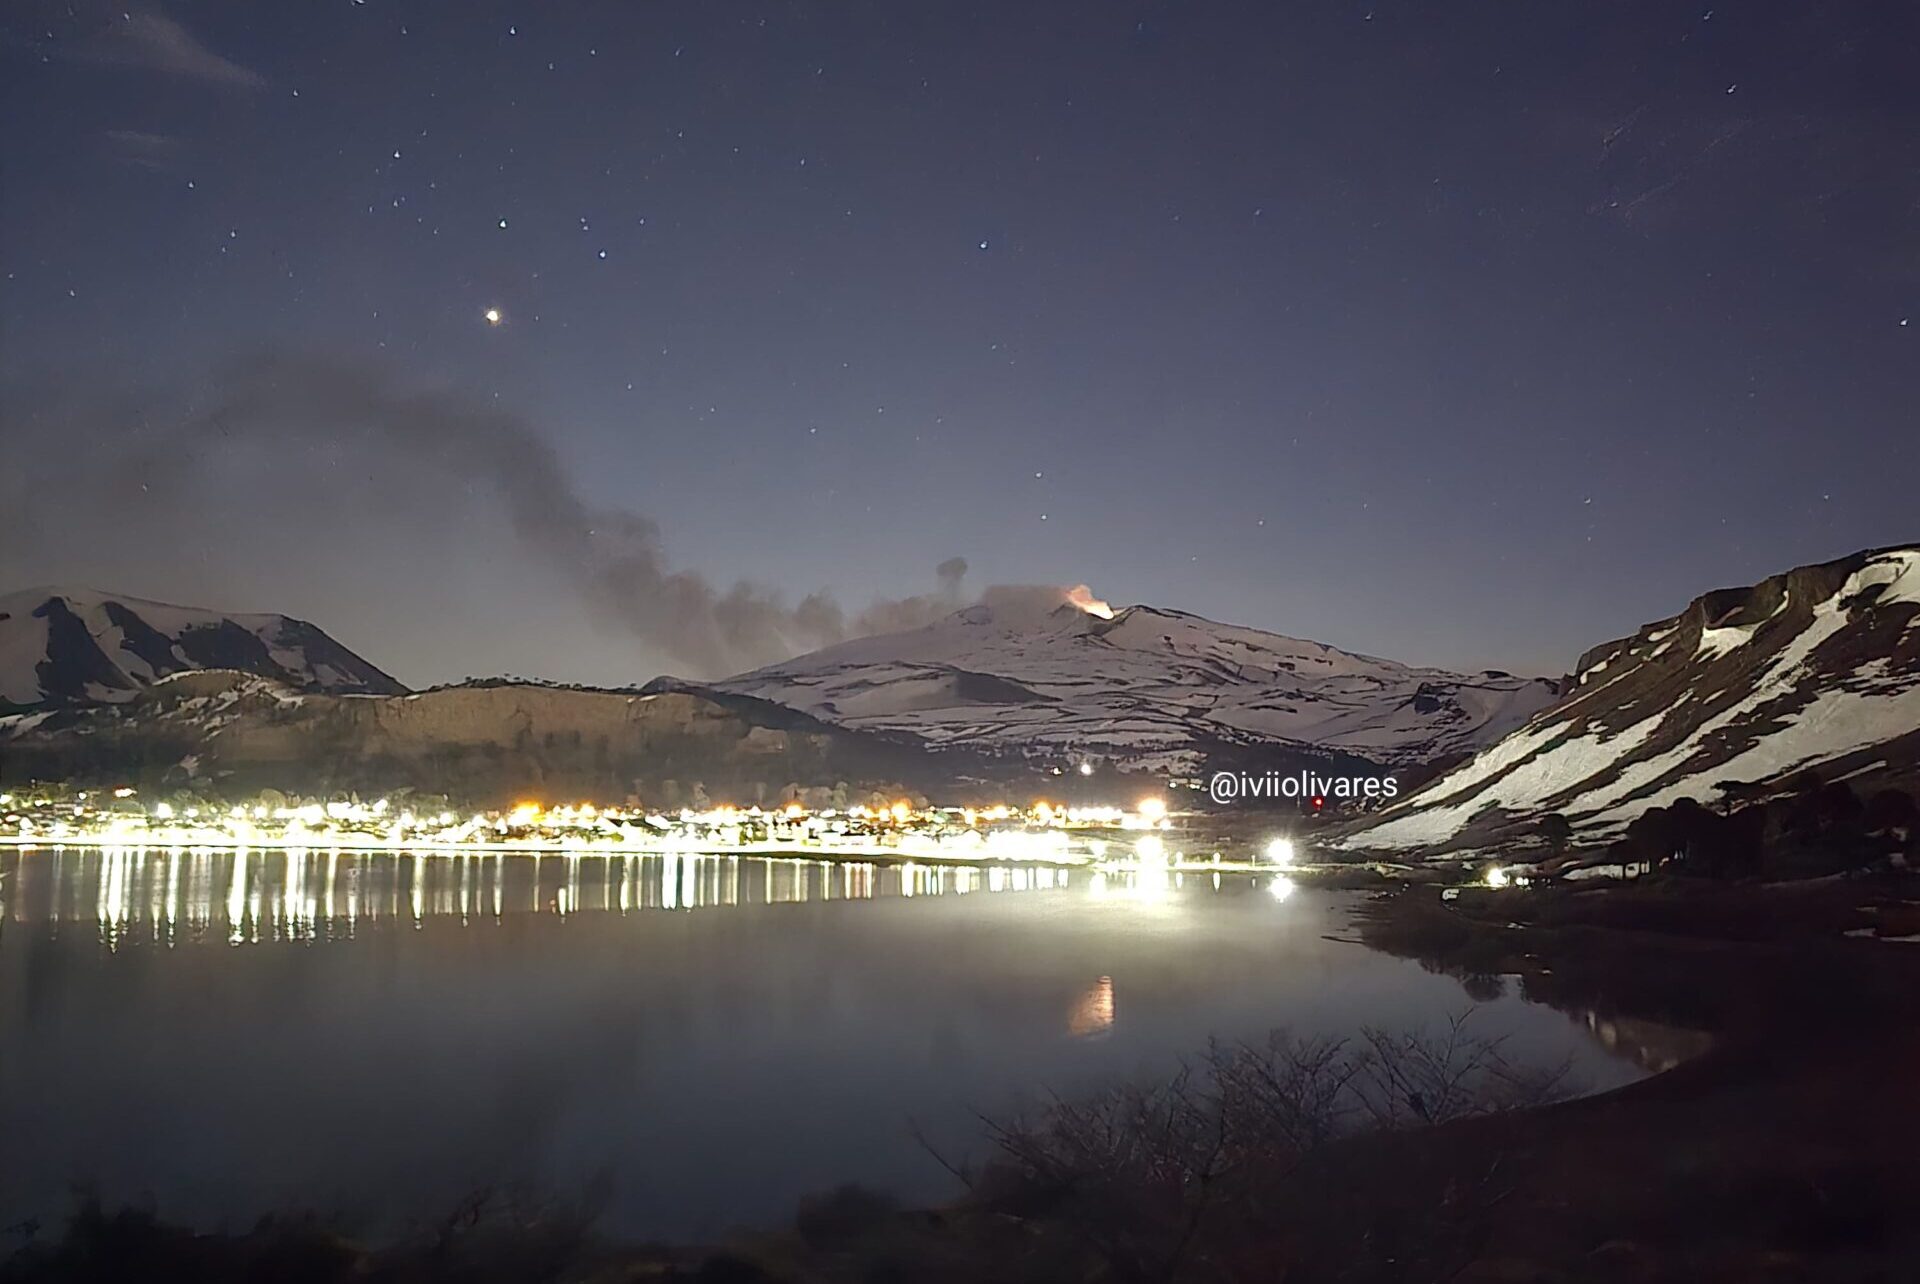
(1145, 689)
(65, 646)
(1817, 669)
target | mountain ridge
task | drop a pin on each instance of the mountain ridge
(62, 645)
(1816, 668)
(486, 742)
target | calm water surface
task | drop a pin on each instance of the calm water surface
(705, 1039)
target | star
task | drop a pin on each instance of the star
(493, 316)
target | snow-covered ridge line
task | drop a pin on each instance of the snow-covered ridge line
(1818, 668)
(62, 646)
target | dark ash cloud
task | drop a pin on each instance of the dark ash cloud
(615, 559)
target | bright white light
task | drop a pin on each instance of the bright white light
(1153, 876)
(1086, 769)
(1280, 853)
(494, 316)
(1152, 810)
(1497, 876)
(1280, 888)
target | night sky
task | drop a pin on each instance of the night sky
(1465, 334)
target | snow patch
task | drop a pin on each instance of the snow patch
(1559, 768)
(1715, 643)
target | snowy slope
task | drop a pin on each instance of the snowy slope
(1146, 689)
(64, 646)
(1815, 669)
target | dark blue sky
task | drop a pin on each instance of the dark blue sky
(1467, 334)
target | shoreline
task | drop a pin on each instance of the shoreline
(1789, 1148)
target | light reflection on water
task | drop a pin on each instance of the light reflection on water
(174, 895)
(375, 1035)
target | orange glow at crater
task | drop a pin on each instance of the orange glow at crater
(1082, 596)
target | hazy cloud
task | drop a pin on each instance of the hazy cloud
(144, 150)
(152, 41)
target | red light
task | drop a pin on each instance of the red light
(1319, 802)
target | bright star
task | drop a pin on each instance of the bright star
(494, 316)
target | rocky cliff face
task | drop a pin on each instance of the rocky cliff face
(1816, 669)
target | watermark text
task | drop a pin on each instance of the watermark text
(1297, 786)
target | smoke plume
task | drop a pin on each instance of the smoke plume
(615, 559)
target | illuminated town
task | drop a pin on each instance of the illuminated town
(170, 871)
(1146, 834)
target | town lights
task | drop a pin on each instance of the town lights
(1152, 810)
(1051, 832)
(1280, 853)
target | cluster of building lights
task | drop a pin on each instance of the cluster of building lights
(1132, 844)
(1046, 832)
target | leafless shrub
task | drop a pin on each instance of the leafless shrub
(1140, 1171)
(1409, 1080)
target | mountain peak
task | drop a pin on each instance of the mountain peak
(1146, 687)
(65, 645)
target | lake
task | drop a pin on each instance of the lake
(701, 1039)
